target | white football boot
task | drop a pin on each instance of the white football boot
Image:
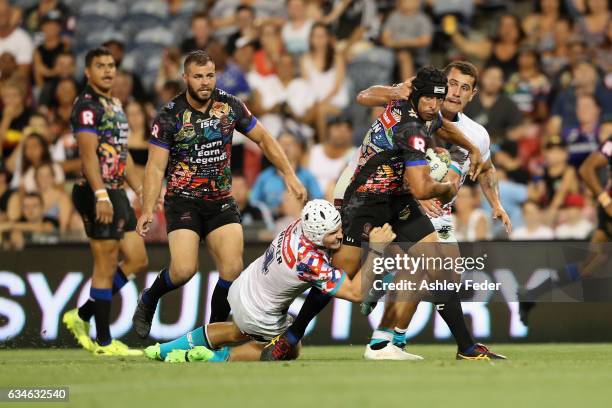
(389, 352)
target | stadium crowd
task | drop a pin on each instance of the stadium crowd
(544, 96)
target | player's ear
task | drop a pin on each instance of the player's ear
(474, 92)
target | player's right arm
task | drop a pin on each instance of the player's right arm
(353, 289)
(159, 152)
(381, 95)
(84, 120)
(588, 171)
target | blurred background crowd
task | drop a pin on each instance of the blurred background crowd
(544, 96)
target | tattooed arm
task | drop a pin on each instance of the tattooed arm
(490, 188)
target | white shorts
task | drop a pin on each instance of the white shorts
(258, 325)
(444, 228)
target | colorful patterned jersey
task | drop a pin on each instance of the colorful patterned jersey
(402, 137)
(290, 265)
(96, 114)
(200, 144)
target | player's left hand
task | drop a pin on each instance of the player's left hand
(295, 187)
(432, 207)
(500, 214)
(382, 235)
(476, 164)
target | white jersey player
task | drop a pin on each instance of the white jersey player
(297, 259)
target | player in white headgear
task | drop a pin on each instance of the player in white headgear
(298, 258)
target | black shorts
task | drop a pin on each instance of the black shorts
(364, 211)
(199, 215)
(604, 221)
(124, 218)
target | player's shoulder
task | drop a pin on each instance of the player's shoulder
(476, 129)
(88, 98)
(219, 95)
(176, 104)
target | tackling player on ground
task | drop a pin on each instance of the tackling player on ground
(297, 258)
(190, 144)
(101, 129)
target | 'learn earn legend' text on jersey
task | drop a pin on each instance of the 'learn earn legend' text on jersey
(200, 144)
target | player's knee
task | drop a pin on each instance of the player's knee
(182, 272)
(231, 268)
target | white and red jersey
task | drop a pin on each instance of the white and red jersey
(290, 265)
(460, 162)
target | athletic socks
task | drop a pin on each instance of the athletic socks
(219, 306)
(187, 341)
(450, 310)
(221, 355)
(314, 303)
(102, 306)
(399, 337)
(381, 337)
(87, 310)
(162, 285)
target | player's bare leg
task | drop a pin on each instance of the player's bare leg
(134, 259)
(226, 245)
(184, 248)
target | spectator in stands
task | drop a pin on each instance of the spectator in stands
(289, 210)
(296, 31)
(200, 34)
(138, 140)
(247, 30)
(32, 225)
(35, 153)
(66, 91)
(558, 180)
(9, 71)
(539, 26)
(267, 57)
(585, 82)
(493, 109)
(269, 186)
(15, 40)
(556, 56)
(57, 204)
(592, 27)
(124, 87)
(469, 221)
(512, 195)
(574, 225)
(170, 68)
(529, 87)
(534, 228)
(64, 68)
(582, 139)
(603, 55)
(229, 76)
(252, 214)
(501, 50)
(117, 48)
(46, 54)
(325, 71)
(168, 92)
(409, 32)
(15, 116)
(35, 15)
(327, 160)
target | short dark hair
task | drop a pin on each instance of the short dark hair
(95, 53)
(200, 15)
(197, 57)
(465, 67)
(245, 7)
(33, 194)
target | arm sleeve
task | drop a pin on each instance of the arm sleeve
(245, 121)
(314, 268)
(163, 129)
(86, 116)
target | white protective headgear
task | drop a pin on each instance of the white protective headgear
(318, 218)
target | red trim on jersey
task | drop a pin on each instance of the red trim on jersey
(387, 118)
(288, 254)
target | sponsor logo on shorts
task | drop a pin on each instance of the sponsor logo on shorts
(350, 240)
(186, 216)
(405, 213)
(225, 206)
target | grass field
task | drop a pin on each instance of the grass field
(551, 375)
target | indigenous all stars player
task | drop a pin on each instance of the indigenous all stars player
(191, 145)
(598, 253)
(298, 258)
(396, 141)
(101, 130)
(462, 86)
